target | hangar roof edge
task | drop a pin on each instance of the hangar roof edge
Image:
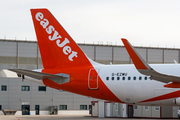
(87, 44)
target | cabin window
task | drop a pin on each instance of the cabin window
(129, 78)
(107, 78)
(140, 78)
(145, 78)
(112, 78)
(123, 78)
(118, 78)
(134, 78)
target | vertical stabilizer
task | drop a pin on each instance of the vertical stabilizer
(56, 46)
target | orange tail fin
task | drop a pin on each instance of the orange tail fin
(56, 46)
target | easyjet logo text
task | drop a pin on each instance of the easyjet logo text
(54, 35)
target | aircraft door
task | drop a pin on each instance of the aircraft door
(93, 79)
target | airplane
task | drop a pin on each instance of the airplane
(66, 67)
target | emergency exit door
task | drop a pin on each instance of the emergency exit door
(93, 79)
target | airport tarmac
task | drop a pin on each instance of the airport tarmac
(59, 117)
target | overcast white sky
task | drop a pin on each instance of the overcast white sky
(143, 22)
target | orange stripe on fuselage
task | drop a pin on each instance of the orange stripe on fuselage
(79, 84)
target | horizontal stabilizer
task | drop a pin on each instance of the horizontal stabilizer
(58, 78)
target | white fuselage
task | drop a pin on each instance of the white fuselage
(134, 87)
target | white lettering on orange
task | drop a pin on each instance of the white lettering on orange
(66, 50)
(39, 16)
(63, 43)
(44, 23)
(55, 36)
(50, 29)
(73, 54)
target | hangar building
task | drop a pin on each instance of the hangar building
(31, 98)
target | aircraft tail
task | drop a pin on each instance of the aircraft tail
(56, 46)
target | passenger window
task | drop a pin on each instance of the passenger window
(107, 78)
(123, 78)
(112, 78)
(140, 78)
(118, 78)
(145, 78)
(134, 78)
(129, 78)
